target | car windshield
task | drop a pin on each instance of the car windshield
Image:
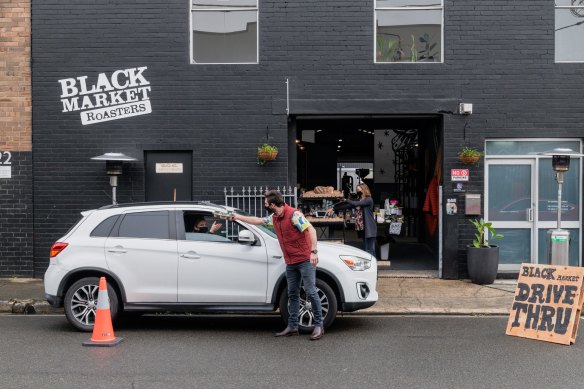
(268, 230)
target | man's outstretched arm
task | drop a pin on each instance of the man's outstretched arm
(249, 219)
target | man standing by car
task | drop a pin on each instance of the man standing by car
(298, 241)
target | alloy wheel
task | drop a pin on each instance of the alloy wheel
(84, 303)
(306, 314)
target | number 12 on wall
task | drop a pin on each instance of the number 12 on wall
(5, 158)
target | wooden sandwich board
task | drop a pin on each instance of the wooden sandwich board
(547, 303)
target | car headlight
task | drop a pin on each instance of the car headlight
(356, 263)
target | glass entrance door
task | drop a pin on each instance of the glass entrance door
(510, 205)
(547, 207)
(522, 201)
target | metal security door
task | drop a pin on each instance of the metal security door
(168, 175)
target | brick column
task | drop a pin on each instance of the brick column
(16, 228)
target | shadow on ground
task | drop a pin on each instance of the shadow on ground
(211, 323)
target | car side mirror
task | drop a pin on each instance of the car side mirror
(246, 237)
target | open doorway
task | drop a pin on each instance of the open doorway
(397, 157)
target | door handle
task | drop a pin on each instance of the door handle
(277, 256)
(117, 250)
(190, 256)
(529, 214)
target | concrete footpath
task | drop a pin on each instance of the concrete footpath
(400, 293)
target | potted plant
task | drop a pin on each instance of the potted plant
(266, 153)
(482, 257)
(469, 155)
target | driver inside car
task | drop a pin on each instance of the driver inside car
(200, 226)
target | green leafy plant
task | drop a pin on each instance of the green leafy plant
(469, 151)
(427, 53)
(266, 153)
(469, 155)
(389, 49)
(413, 51)
(268, 148)
(481, 237)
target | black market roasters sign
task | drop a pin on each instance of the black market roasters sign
(121, 94)
(547, 303)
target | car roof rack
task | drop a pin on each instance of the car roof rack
(126, 205)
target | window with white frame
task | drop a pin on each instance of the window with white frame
(224, 31)
(569, 31)
(408, 30)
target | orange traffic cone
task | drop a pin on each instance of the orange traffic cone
(103, 331)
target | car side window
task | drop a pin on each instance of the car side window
(232, 230)
(104, 228)
(225, 231)
(202, 226)
(150, 225)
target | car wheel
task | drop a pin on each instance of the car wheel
(306, 315)
(81, 302)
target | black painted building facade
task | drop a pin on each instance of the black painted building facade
(316, 61)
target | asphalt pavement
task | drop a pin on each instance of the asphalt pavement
(400, 293)
(160, 351)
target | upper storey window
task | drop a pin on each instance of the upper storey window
(408, 30)
(224, 31)
(569, 31)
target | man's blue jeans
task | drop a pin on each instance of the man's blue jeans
(306, 273)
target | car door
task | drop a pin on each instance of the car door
(215, 268)
(142, 252)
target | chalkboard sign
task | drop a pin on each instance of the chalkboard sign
(547, 303)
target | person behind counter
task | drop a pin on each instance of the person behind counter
(363, 215)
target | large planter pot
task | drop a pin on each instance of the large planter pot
(482, 264)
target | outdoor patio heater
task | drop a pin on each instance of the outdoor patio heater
(558, 239)
(113, 168)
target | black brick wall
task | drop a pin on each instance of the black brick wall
(499, 55)
(16, 228)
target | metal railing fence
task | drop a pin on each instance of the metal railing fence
(251, 199)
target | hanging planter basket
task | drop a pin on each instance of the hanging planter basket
(469, 159)
(267, 155)
(469, 155)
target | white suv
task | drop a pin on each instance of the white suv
(154, 263)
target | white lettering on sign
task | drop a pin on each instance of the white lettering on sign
(5, 171)
(459, 174)
(169, 168)
(117, 112)
(124, 94)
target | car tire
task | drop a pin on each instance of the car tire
(81, 301)
(329, 307)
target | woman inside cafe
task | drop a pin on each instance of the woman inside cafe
(363, 212)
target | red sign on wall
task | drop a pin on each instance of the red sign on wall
(459, 174)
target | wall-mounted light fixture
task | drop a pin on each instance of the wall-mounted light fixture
(465, 108)
(113, 168)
